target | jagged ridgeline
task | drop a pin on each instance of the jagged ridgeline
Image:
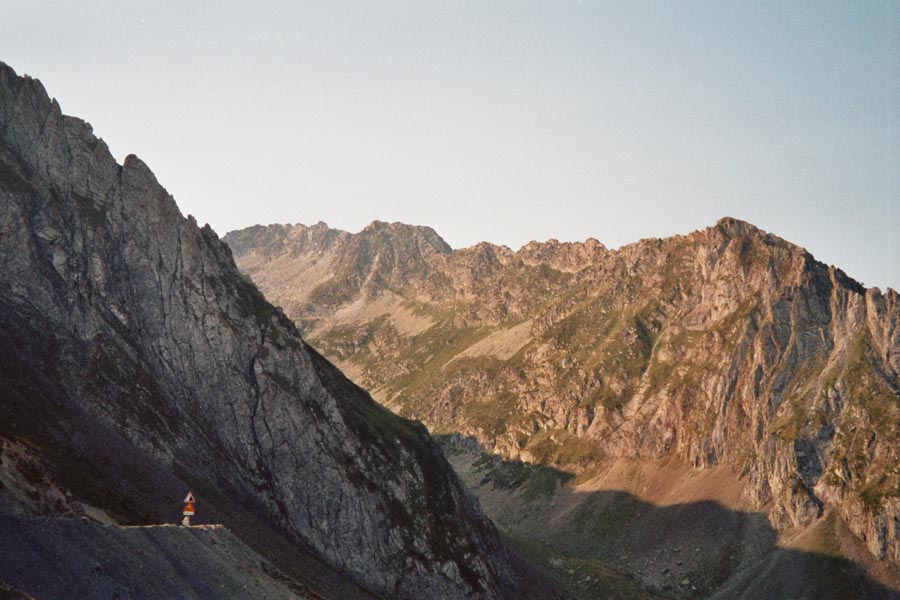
(726, 347)
(137, 362)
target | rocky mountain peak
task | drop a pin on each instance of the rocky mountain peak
(142, 362)
(402, 234)
(737, 228)
(564, 256)
(728, 346)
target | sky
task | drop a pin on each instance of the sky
(499, 121)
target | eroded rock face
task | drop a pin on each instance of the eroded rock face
(727, 346)
(118, 312)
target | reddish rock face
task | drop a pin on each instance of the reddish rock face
(728, 346)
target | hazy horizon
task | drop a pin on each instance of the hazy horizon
(499, 123)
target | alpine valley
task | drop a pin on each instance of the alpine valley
(713, 415)
(137, 363)
(709, 415)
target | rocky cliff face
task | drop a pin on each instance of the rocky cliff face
(138, 359)
(728, 346)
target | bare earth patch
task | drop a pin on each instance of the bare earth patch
(502, 344)
(668, 483)
(288, 280)
(363, 310)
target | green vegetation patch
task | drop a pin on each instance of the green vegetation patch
(432, 350)
(333, 292)
(492, 414)
(559, 447)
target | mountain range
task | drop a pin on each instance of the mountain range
(562, 374)
(709, 415)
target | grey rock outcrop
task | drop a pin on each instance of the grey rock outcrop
(133, 348)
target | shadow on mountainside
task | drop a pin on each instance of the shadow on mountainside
(104, 469)
(614, 544)
(41, 408)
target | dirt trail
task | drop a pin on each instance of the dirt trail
(47, 558)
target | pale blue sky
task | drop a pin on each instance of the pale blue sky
(498, 121)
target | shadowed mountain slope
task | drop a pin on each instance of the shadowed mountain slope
(138, 361)
(659, 529)
(66, 558)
